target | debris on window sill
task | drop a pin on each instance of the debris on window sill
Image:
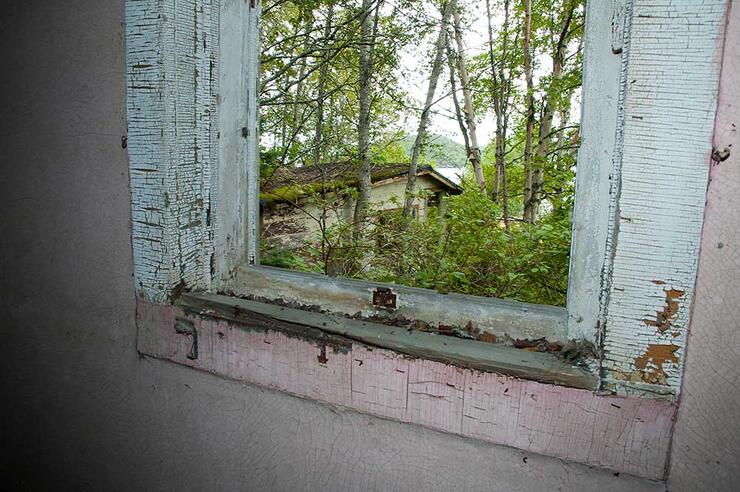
(459, 346)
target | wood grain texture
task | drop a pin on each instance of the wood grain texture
(706, 443)
(624, 434)
(171, 112)
(380, 381)
(228, 187)
(338, 331)
(671, 81)
(600, 93)
(616, 432)
(436, 395)
(87, 412)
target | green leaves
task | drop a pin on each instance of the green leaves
(308, 118)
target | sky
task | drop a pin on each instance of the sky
(414, 76)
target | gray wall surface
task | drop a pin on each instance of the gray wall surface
(80, 409)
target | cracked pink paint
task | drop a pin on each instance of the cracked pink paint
(629, 435)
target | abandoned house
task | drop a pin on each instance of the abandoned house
(143, 347)
(295, 203)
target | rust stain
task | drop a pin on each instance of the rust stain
(384, 297)
(633, 376)
(650, 364)
(487, 337)
(322, 358)
(665, 316)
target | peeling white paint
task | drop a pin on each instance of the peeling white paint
(601, 75)
(171, 114)
(670, 82)
(192, 118)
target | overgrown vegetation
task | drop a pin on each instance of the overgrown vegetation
(334, 90)
(469, 252)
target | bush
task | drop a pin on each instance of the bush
(469, 252)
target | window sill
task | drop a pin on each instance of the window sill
(349, 296)
(332, 329)
(464, 391)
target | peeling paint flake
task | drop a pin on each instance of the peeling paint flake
(665, 316)
(171, 100)
(650, 364)
(670, 78)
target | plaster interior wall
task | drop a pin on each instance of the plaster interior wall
(81, 409)
(706, 441)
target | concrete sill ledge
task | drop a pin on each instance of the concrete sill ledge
(339, 331)
(348, 296)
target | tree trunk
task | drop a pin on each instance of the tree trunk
(500, 105)
(496, 102)
(456, 101)
(474, 155)
(424, 119)
(297, 105)
(528, 216)
(543, 142)
(368, 29)
(318, 135)
(503, 118)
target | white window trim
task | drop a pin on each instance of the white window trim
(516, 319)
(192, 130)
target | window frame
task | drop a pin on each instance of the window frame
(601, 74)
(187, 98)
(192, 121)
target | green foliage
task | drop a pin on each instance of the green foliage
(439, 150)
(272, 254)
(390, 153)
(470, 251)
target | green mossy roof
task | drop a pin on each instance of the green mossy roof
(290, 184)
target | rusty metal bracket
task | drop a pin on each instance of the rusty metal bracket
(385, 298)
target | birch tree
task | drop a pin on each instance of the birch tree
(529, 101)
(439, 51)
(321, 96)
(549, 107)
(368, 34)
(474, 155)
(501, 85)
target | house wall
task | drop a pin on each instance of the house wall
(82, 410)
(290, 226)
(706, 443)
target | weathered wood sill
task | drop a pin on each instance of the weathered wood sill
(340, 331)
(349, 296)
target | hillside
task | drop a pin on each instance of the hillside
(441, 150)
